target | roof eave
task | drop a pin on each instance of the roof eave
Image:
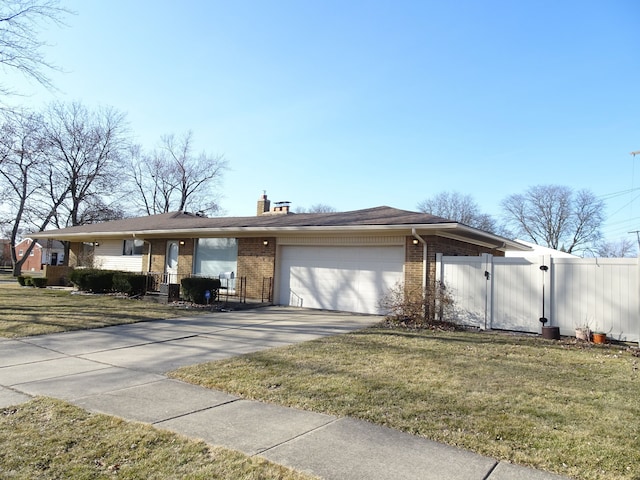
(490, 239)
(226, 231)
(451, 230)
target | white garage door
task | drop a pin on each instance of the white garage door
(350, 279)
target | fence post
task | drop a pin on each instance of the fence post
(488, 290)
(546, 284)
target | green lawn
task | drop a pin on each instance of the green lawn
(551, 405)
(28, 311)
(50, 439)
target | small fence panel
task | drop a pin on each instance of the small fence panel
(601, 293)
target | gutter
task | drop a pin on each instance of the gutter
(452, 230)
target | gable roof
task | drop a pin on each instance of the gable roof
(378, 219)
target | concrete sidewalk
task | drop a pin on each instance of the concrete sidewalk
(120, 371)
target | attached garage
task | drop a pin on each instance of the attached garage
(350, 279)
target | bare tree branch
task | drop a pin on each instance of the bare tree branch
(26, 173)
(623, 248)
(20, 46)
(173, 178)
(316, 208)
(556, 217)
(460, 208)
(87, 148)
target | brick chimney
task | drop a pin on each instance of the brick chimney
(281, 207)
(264, 204)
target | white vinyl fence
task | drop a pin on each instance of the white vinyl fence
(510, 293)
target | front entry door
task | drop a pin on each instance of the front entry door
(171, 261)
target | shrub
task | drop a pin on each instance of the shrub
(193, 289)
(28, 281)
(39, 282)
(129, 283)
(418, 307)
(22, 280)
(93, 280)
(78, 278)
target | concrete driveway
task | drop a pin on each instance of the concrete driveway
(120, 371)
(59, 365)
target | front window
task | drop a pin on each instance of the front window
(132, 247)
(20, 253)
(216, 256)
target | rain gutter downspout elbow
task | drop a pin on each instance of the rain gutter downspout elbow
(418, 237)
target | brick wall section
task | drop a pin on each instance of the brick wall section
(158, 251)
(413, 263)
(185, 257)
(256, 262)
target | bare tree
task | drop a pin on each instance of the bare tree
(142, 172)
(555, 216)
(25, 177)
(173, 177)
(20, 46)
(317, 208)
(87, 148)
(460, 208)
(615, 249)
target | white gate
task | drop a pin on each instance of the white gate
(517, 293)
(467, 280)
(514, 293)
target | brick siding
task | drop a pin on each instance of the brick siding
(257, 263)
(185, 257)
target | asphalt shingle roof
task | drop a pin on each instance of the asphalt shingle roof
(381, 216)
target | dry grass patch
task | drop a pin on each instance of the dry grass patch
(28, 311)
(539, 403)
(47, 438)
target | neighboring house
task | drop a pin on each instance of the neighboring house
(336, 261)
(45, 252)
(536, 249)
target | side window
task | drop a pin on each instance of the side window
(20, 253)
(132, 247)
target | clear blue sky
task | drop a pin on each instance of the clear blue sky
(358, 104)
